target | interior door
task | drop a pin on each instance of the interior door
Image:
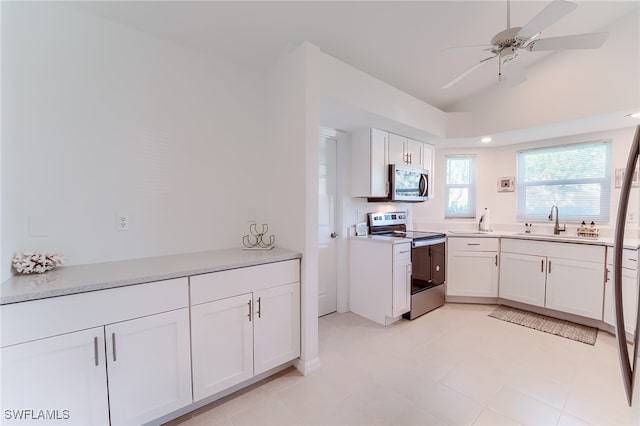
(327, 242)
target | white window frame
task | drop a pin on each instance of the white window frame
(604, 182)
(471, 212)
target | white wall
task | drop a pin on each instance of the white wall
(494, 163)
(99, 120)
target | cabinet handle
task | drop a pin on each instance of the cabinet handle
(259, 307)
(542, 265)
(95, 350)
(113, 345)
(496, 260)
(549, 267)
(633, 260)
(250, 310)
(409, 158)
(473, 244)
(404, 251)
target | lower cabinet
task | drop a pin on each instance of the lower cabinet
(523, 278)
(149, 367)
(561, 276)
(237, 336)
(379, 279)
(146, 365)
(64, 375)
(472, 267)
(630, 290)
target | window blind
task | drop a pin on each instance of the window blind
(576, 178)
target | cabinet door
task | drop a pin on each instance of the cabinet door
(629, 299)
(522, 278)
(414, 153)
(397, 150)
(576, 287)
(379, 168)
(472, 274)
(149, 368)
(64, 375)
(276, 327)
(222, 344)
(401, 288)
(428, 163)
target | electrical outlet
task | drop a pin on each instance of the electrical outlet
(122, 222)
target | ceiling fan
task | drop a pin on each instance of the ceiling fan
(506, 44)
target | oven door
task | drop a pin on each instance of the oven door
(427, 264)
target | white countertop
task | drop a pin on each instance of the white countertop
(100, 276)
(630, 243)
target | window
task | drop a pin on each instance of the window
(576, 178)
(460, 186)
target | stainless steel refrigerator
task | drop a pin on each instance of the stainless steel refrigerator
(629, 365)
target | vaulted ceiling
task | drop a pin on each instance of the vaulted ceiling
(400, 43)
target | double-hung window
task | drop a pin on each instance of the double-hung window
(460, 186)
(576, 178)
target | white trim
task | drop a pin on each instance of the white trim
(307, 367)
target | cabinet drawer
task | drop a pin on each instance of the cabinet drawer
(629, 258)
(402, 252)
(22, 322)
(472, 244)
(219, 285)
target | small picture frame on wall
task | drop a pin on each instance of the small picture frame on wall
(619, 176)
(505, 184)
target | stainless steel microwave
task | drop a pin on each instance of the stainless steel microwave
(408, 183)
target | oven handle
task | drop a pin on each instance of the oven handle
(423, 243)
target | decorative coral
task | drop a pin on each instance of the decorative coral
(29, 262)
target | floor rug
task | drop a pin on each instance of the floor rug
(570, 330)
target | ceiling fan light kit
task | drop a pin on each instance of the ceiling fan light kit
(506, 43)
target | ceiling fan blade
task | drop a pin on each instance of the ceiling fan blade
(471, 47)
(513, 72)
(467, 72)
(577, 41)
(550, 14)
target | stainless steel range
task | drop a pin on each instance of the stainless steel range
(428, 251)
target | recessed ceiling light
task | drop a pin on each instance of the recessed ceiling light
(486, 139)
(634, 115)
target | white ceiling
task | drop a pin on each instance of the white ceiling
(400, 43)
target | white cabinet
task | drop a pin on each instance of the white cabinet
(244, 322)
(403, 150)
(561, 276)
(472, 267)
(149, 367)
(145, 330)
(65, 374)
(276, 327)
(379, 279)
(428, 162)
(401, 281)
(629, 289)
(369, 163)
(222, 344)
(523, 277)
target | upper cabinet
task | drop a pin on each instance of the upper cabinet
(369, 160)
(406, 151)
(373, 150)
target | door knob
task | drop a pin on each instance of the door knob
(334, 234)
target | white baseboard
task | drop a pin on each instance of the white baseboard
(307, 367)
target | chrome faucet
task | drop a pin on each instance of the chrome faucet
(556, 228)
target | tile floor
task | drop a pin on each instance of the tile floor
(453, 366)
